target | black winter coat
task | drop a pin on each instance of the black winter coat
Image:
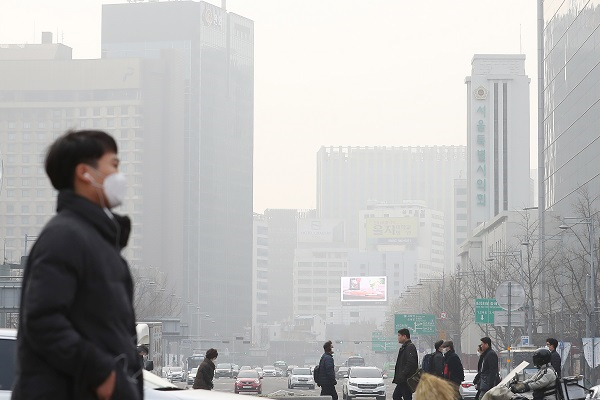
(453, 368)
(488, 370)
(438, 364)
(204, 375)
(406, 363)
(555, 362)
(76, 321)
(327, 370)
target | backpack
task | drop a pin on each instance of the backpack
(316, 374)
(427, 362)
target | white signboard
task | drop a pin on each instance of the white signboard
(320, 231)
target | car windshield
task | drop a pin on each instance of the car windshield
(365, 373)
(301, 371)
(268, 367)
(224, 366)
(248, 374)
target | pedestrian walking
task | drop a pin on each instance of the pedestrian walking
(487, 368)
(206, 371)
(555, 360)
(437, 363)
(406, 365)
(453, 368)
(77, 334)
(327, 379)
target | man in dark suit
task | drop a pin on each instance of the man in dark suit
(406, 365)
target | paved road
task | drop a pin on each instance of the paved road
(271, 385)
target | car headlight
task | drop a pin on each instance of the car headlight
(350, 383)
(381, 384)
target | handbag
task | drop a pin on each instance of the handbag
(414, 379)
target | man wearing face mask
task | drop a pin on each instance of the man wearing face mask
(77, 336)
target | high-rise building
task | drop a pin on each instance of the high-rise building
(348, 178)
(497, 137)
(460, 217)
(571, 151)
(282, 244)
(217, 49)
(260, 274)
(44, 93)
(407, 227)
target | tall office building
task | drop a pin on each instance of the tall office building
(283, 227)
(348, 178)
(260, 273)
(497, 137)
(571, 150)
(217, 48)
(460, 217)
(43, 93)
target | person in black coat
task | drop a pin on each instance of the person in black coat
(437, 363)
(555, 360)
(487, 368)
(453, 368)
(327, 379)
(206, 371)
(406, 365)
(77, 333)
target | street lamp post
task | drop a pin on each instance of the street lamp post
(590, 301)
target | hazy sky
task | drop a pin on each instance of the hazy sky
(335, 72)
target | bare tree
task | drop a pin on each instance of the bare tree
(153, 296)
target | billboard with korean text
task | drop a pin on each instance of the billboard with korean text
(392, 230)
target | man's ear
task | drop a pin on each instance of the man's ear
(82, 174)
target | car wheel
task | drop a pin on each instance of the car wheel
(348, 397)
(259, 392)
(380, 397)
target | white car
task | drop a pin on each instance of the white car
(269, 370)
(301, 377)
(364, 382)
(467, 388)
(192, 376)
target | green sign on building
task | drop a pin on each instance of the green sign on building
(484, 310)
(418, 324)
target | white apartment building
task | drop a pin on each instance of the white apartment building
(260, 274)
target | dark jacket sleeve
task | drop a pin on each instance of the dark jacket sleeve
(411, 363)
(47, 329)
(555, 362)
(329, 369)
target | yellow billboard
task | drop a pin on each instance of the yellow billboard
(390, 230)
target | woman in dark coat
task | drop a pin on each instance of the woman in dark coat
(206, 371)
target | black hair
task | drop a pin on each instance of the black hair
(553, 342)
(72, 149)
(486, 340)
(327, 346)
(449, 344)
(438, 344)
(212, 353)
(404, 332)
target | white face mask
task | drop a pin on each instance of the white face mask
(444, 350)
(115, 188)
